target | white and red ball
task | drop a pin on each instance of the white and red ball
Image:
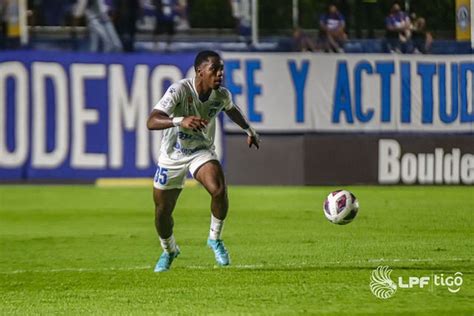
(341, 207)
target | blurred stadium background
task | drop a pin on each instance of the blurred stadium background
(71, 114)
(364, 114)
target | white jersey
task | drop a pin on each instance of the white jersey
(182, 99)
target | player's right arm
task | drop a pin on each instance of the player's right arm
(162, 116)
(160, 120)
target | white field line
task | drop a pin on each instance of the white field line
(301, 265)
(77, 270)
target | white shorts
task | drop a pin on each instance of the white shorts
(171, 174)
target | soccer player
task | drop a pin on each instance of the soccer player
(187, 114)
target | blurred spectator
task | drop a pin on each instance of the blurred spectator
(183, 21)
(3, 23)
(241, 12)
(166, 12)
(398, 30)
(331, 33)
(422, 39)
(101, 29)
(126, 16)
(302, 42)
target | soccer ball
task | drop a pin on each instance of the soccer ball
(341, 207)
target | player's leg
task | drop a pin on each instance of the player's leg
(165, 201)
(211, 176)
(168, 182)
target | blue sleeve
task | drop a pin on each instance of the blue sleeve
(322, 18)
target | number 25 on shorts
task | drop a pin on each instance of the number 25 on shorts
(161, 175)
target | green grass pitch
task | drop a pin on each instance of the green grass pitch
(88, 250)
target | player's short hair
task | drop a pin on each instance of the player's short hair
(203, 56)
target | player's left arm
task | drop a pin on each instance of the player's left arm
(238, 118)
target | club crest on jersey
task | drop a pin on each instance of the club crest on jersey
(172, 90)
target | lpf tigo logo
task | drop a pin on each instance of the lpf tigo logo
(383, 287)
(381, 284)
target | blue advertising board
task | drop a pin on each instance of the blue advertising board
(81, 116)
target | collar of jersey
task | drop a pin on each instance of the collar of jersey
(193, 83)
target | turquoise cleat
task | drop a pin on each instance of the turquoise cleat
(222, 257)
(165, 261)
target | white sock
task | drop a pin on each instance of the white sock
(168, 244)
(217, 226)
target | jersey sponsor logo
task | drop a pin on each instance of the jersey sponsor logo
(182, 135)
(186, 136)
(190, 151)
